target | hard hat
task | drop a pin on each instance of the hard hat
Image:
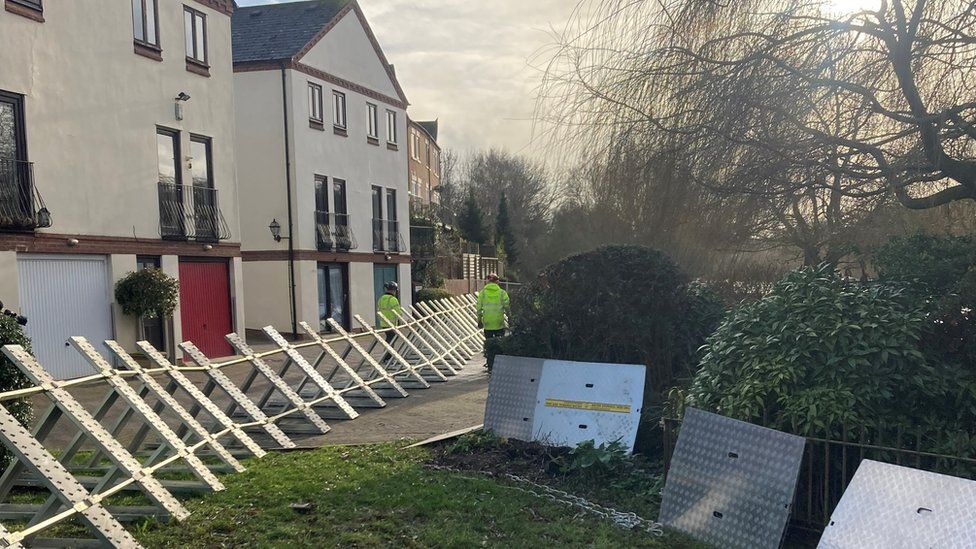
(492, 277)
(391, 285)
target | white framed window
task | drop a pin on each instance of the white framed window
(415, 144)
(145, 22)
(391, 127)
(338, 109)
(315, 102)
(372, 121)
(195, 27)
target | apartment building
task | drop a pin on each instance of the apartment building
(425, 163)
(322, 164)
(117, 153)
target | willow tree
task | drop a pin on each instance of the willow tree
(826, 115)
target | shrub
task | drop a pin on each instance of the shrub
(618, 304)
(433, 294)
(147, 293)
(819, 352)
(941, 271)
(933, 265)
(11, 378)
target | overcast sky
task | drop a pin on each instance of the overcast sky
(466, 62)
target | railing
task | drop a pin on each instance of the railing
(332, 232)
(209, 416)
(829, 464)
(423, 242)
(188, 212)
(21, 206)
(386, 236)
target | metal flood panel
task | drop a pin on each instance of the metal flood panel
(64, 296)
(580, 401)
(731, 483)
(890, 506)
(512, 392)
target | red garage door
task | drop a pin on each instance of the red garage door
(205, 306)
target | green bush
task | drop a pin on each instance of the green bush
(618, 304)
(11, 378)
(819, 352)
(433, 294)
(940, 271)
(148, 293)
(929, 264)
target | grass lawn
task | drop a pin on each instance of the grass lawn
(369, 496)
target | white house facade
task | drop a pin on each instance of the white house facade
(322, 155)
(117, 153)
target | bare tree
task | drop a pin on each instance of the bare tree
(881, 100)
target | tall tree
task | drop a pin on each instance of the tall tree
(503, 232)
(879, 99)
(471, 222)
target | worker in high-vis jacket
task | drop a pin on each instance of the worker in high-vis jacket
(388, 307)
(493, 305)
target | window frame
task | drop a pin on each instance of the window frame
(339, 119)
(372, 121)
(191, 57)
(339, 188)
(20, 123)
(321, 190)
(31, 9)
(145, 42)
(315, 103)
(207, 142)
(391, 127)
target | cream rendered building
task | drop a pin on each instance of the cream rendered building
(322, 153)
(104, 170)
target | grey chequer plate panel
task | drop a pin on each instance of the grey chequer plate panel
(512, 393)
(731, 483)
(887, 506)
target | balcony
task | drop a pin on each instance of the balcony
(21, 206)
(332, 232)
(386, 236)
(187, 212)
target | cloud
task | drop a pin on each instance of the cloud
(466, 62)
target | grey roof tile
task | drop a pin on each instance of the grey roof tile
(273, 32)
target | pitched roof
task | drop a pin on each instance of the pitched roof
(429, 126)
(274, 32)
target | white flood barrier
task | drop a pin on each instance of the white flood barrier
(563, 403)
(888, 506)
(159, 417)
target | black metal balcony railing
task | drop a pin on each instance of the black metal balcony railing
(21, 206)
(188, 212)
(332, 232)
(386, 236)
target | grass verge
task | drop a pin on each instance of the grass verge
(377, 495)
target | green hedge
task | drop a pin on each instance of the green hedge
(11, 378)
(819, 353)
(618, 304)
(433, 294)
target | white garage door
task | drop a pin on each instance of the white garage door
(64, 296)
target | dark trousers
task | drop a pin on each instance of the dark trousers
(491, 334)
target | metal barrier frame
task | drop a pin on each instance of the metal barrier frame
(431, 342)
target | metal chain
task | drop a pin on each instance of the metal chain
(624, 520)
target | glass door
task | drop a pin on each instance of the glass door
(333, 294)
(171, 212)
(153, 329)
(15, 191)
(381, 275)
(204, 196)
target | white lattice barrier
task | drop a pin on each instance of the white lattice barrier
(194, 418)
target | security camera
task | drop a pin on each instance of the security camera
(183, 96)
